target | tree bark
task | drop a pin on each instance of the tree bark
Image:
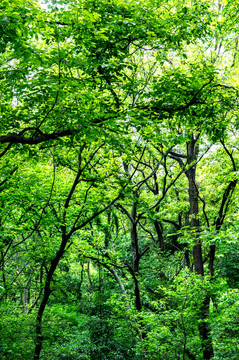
(134, 234)
(192, 153)
(160, 239)
(46, 295)
(204, 329)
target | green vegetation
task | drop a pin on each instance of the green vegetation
(119, 166)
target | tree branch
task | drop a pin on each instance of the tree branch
(14, 138)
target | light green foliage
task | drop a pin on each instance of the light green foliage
(100, 103)
(226, 325)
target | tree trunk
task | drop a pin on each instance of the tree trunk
(204, 329)
(46, 294)
(192, 153)
(134, 235)
(160, 239)
(135, 252)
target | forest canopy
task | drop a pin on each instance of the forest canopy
(119, 160)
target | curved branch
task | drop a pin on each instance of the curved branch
(14, 138)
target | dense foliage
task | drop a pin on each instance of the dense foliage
(119, 159)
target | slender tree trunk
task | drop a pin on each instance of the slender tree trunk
(160, 240)
(2, 268)
(134, 235)
(204, 329)
(46, 295)
(192, 152)
(212, 252)
(134, 269)
(157, 224)
(135, 252)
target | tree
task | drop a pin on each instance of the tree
(109, 114)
